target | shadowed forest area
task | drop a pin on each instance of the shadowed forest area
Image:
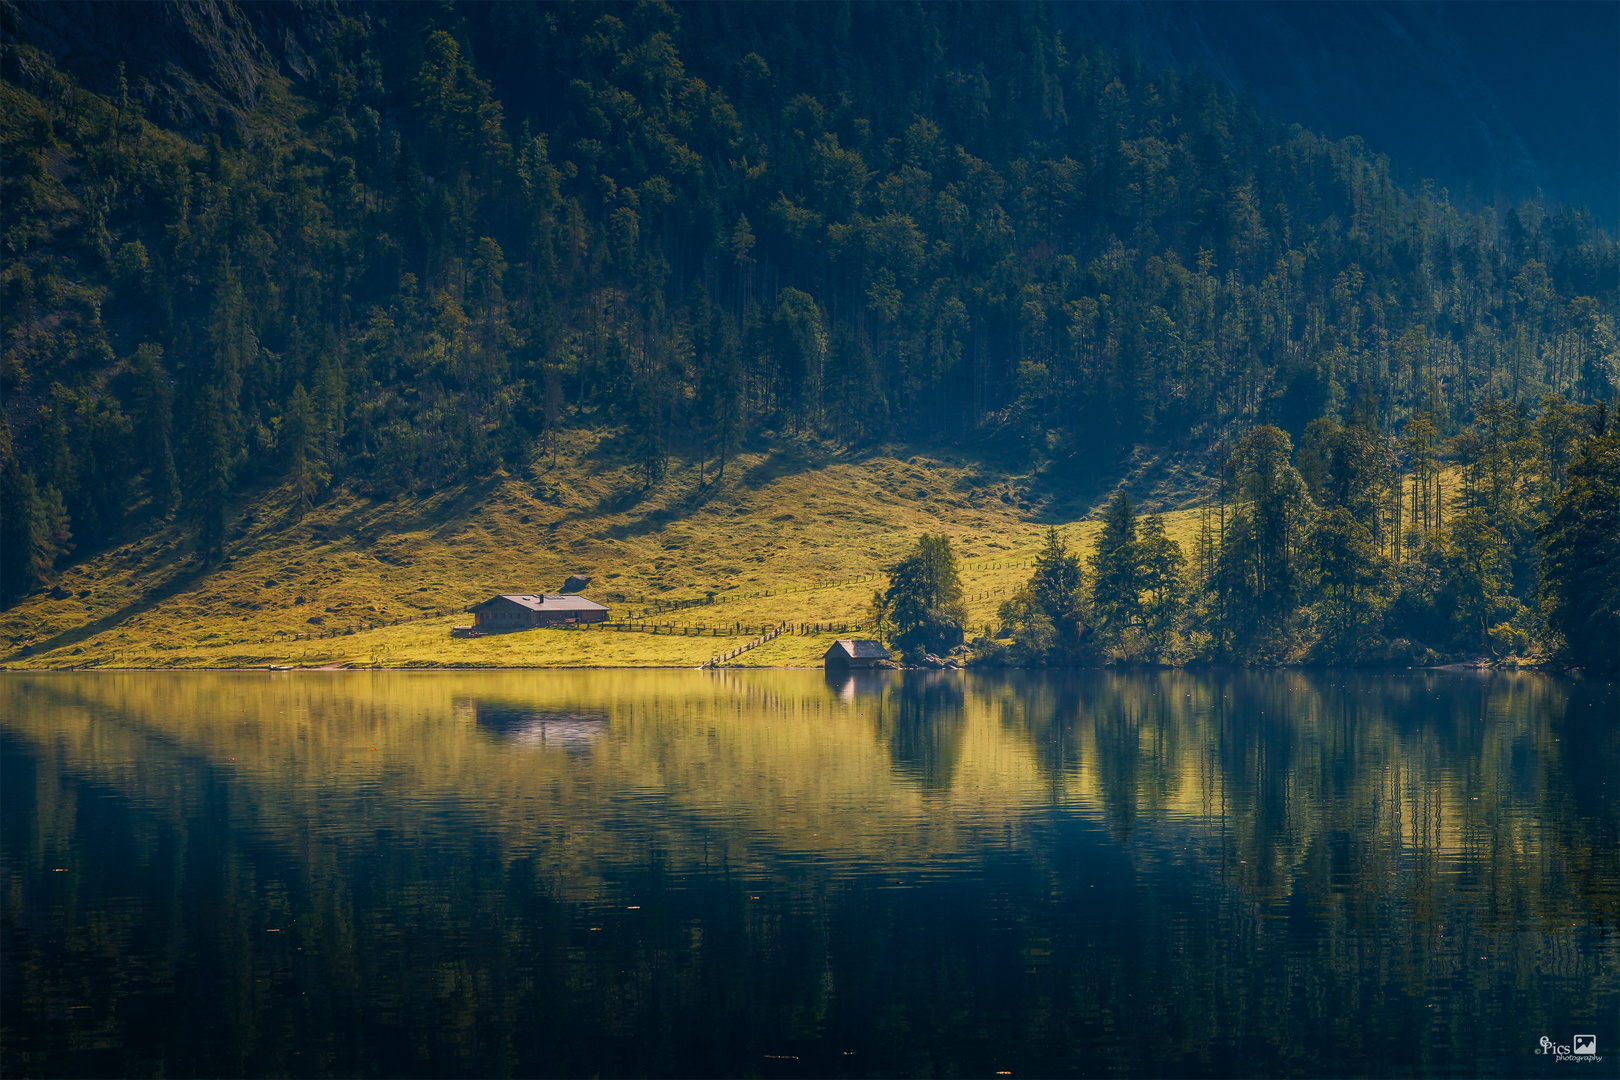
(393, 253)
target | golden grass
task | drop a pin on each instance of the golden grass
(793, 536)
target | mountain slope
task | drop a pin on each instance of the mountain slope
(391, 254)
(1494, 101)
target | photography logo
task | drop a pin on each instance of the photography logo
(1581, 1048)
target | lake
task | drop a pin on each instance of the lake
(782, 873)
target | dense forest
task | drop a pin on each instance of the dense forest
(1320, 569)
(471, 227)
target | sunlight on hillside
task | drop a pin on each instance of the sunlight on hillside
(767, 542)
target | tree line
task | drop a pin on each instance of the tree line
(1345, 550)
(476, 228)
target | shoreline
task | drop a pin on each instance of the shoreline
(1454, 668)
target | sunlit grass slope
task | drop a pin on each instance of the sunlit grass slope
(796, 536)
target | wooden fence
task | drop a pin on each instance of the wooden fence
(734, 630)
(640, 623)
(659, 607)
(769, 635)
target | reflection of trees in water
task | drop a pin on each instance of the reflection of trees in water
(1291, 863)
(920, 717)
(1137, 748)
(1343, 783)
(1048, 709)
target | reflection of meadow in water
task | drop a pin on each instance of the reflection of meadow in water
(719, 873)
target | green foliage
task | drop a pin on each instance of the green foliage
(1046, 617)
(924, 598)
(1117, 573)
(34, 527)
(478, 226)
(1475, 581)
(299, 431)
(1257, 579)
(1057, 588)
(1136, 605)
(1581, 560)
(1160, 564)
(1379, 576)
(154, 426)
(207, 479)
(1350, 576)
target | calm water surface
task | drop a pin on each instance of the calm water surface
(679, 873)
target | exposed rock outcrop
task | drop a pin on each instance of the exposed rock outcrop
(197, 66)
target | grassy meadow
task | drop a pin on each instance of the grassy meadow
(796, 536)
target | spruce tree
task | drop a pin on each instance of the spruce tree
(1116, 568)
(1581, 566)
(207, 480)
(154, 424)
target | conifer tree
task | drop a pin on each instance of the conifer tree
(306, 470)
(154, 422)
(1581, 566)
(1116, 568)
(207, 480)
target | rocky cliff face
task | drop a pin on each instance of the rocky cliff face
(196, 65)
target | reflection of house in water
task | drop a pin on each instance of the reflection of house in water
(527, 725)
(919, 716)
(849, 685)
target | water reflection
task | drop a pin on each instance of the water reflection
(885, 873)
(524, 725)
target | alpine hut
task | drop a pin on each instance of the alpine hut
(855, 653)
(525, 611)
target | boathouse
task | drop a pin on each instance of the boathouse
(525, 611)
(855, 653)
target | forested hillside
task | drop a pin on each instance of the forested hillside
(459, 230)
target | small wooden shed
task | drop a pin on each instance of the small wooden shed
(525, 611)
(855, 653)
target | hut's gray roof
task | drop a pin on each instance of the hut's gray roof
(548, 602)
(860, 649)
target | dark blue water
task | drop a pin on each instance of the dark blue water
(681, 873)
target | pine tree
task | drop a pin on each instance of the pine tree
(207, 480)
(1348, 569)
(306, 470)
(1477, 576)
(154, 424)
(1581, 567)
(1160, 562)
(1057, 588)
(1116, 568)
(1259, 572)
(19, 503)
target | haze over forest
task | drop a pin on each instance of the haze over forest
(269, 252)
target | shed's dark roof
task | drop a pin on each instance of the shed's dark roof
(859, 649)
(548, 602)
